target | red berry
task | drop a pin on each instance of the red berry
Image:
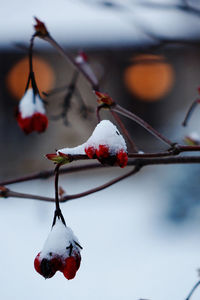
(90, 151)
(37, 122)
(78, 260)
(122, 158)
(40, 122)
(102, 151)
(48, 267)
(37, 262)
(70, 268)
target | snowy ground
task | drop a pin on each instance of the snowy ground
(128, 252)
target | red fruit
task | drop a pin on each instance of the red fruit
(78, 260)
(122, 158)
(102, 151)
(72, 265)
(40, 122)
(37, 122)
(47, 267)
(37, 263)
(90, 151)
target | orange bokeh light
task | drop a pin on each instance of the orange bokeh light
(150, 77)
(17, 77)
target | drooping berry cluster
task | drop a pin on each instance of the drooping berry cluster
(61, 252)
(31, 114)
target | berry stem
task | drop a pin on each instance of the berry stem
(190, 111)
(124, 112)
(58, 214)
(192, 290)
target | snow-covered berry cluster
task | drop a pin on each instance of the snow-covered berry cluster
(106, 144)
(31, 114)
(61, 252)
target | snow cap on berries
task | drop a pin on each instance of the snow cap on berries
(31, 113)
(61, 252)
(106, 133)
(106, 144)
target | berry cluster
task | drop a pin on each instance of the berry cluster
(102, 153)
(31, 113)
(105, 144)
(61, 252)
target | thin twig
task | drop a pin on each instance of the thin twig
(120, 110)
(70, 59)
(90, 166)
(9, 193)
(138, 163)
(133, 146)
(193, 289)
(190, 111)
(58, 214)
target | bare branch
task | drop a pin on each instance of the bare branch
(120, 110)
(5, 193)
(193, 289)
(138, 163)
(190, 111)
(125, 131)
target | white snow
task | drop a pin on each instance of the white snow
(85, 66)
(194, 136)
(73, 151)
(105, 133)
(28, 107)
(59, 239)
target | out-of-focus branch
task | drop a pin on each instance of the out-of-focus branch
(176, 150)
(192, 290)
(190, 111)
(133, 146)
(5, 193)
(122, 111)
(137, 162)
(70, 59)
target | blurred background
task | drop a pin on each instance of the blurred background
(141, 237)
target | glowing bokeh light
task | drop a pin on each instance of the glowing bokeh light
(149, 77)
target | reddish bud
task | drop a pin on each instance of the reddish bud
(122, 158)
(47, 267)
(82, 57)
(102, 151)
(103, 98)
(90, 151)
(37, 122)
(59, 158)
(3, 191)
(37, 263)
(40, 28)
(70, 268)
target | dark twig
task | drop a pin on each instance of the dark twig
(190, 111)
(8, 193)
(58, 214)
(120, 110)
(70, 59)
(193, 289)
(133, 146)
(90, 166)
(138, 163)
